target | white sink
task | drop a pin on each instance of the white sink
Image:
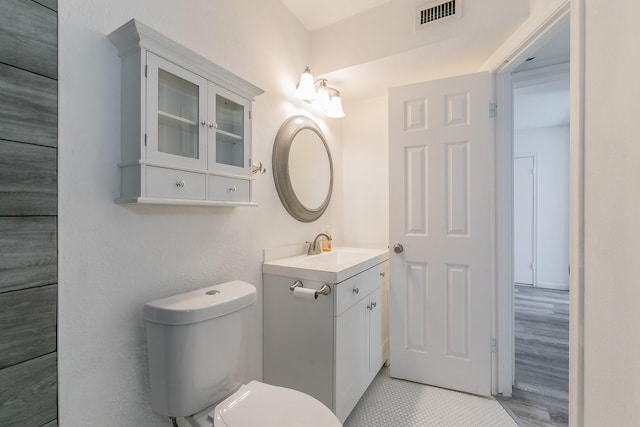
(331, 267)
(338, 257)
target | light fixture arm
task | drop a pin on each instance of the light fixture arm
(321, 82)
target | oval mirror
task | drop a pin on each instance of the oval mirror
(302, 168)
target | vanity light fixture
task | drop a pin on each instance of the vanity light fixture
(306, 89)
(323, 97)
(335, 110)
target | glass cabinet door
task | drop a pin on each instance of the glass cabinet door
(176, 110)
(230, 153)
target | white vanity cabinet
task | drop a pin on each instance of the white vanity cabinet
(358, 336)
(330, 348)
(185, 126)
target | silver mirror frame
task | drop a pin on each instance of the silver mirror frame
(280, 163)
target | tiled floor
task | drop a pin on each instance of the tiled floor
(391, 402)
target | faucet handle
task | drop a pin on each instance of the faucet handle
(308, 247)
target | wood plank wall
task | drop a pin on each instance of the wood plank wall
(28, 212)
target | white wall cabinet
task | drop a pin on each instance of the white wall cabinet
(186, 124)
(331, 348)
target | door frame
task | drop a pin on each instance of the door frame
(534, 262)
(531, 35)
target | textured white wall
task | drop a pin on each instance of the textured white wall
(551, 145)
(366, 173)
(114, 258)
(612, 212)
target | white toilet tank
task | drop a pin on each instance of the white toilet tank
(197, 344)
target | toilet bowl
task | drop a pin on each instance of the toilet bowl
(197, 343)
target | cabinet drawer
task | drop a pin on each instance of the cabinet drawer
(227, 189)
(175, 184)
(358, 287)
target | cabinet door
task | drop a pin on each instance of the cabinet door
(230, 137)
(176, 123)
(375, 332)
(352, 362)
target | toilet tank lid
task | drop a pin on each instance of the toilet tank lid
(202, 304)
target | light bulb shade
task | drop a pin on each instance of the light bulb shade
(306, 89)
(322, 100)
(335, 110)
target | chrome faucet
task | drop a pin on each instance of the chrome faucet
(313, 247)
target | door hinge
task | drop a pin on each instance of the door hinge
(145, 139)
(493, 345)
(146, 70)
(493, 109)
(249, 114)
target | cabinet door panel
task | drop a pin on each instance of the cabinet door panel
(352, 364)
(229, 140)
(375, 332)
(176, 111)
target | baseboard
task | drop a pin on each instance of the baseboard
(553, 285)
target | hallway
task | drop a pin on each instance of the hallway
(541, 389)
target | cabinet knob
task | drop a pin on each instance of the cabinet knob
(204, 123)
(383, 274)
(180, 184)
(232, 189)
(356, 291)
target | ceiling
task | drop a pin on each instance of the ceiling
(544, 104)
(554, 51)
(315, 14)
(449, 48)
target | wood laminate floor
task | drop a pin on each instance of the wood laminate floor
(541, 390)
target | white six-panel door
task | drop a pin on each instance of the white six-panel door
(440, 154)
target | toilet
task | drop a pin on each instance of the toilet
(198, 347)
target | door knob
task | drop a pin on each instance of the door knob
(397, 248)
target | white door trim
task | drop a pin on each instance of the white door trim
(532, 34)
(510, 55)
(534, 262)
(576, 215)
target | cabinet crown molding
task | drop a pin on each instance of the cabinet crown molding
(134, 36)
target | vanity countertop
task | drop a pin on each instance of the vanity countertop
(331, 267)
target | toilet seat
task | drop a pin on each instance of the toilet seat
(270, 406)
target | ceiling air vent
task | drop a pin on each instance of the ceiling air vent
(436, 11)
